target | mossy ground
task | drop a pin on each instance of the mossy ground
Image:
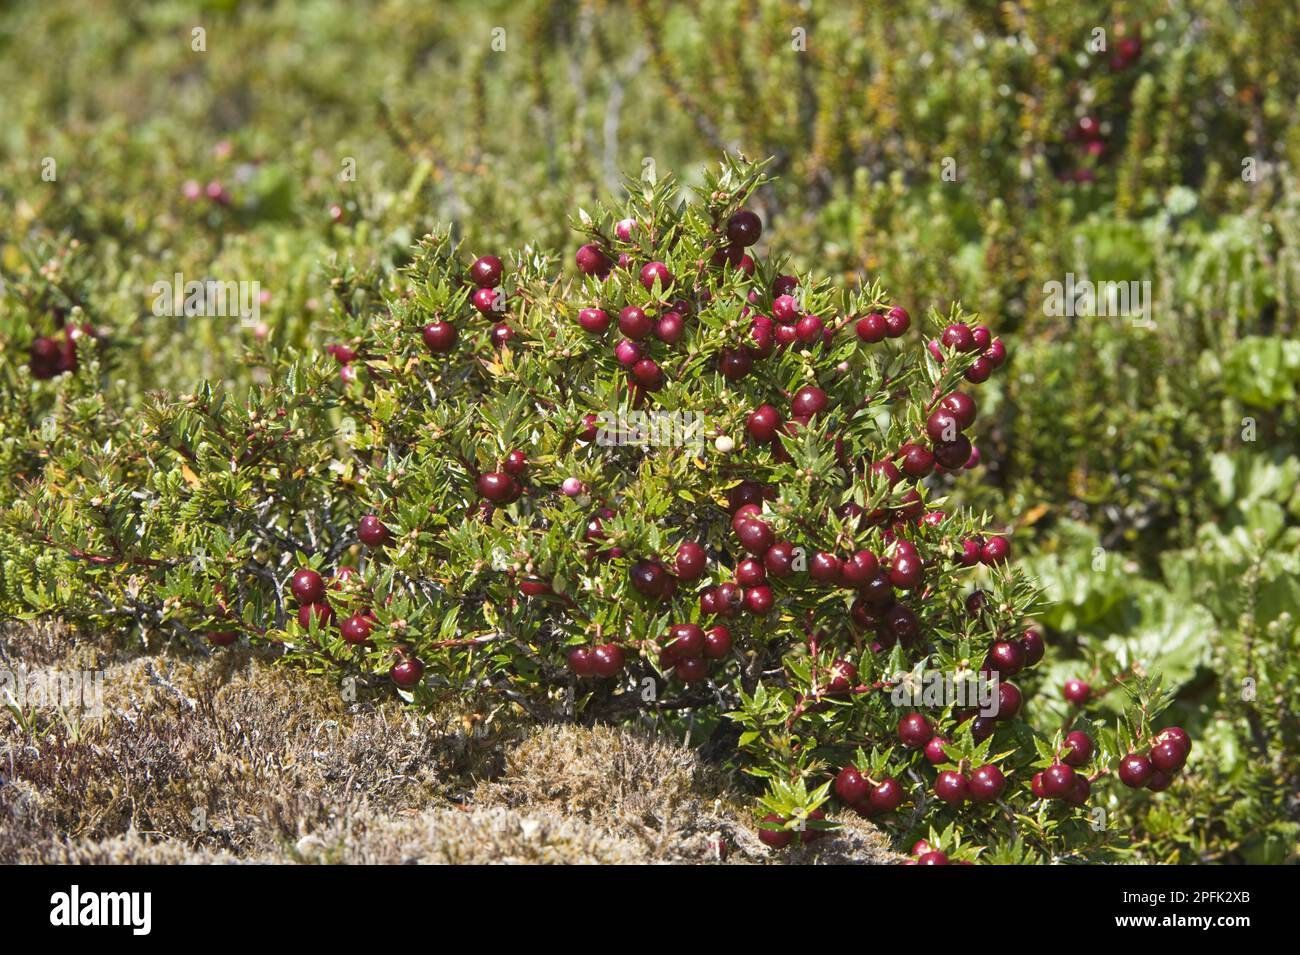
(227, 757)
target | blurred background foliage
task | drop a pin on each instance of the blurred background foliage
(957, 150)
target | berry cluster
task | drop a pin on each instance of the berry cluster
(1156, 770)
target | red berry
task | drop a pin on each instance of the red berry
(851, 786)
(750, 572)
(593, 320)
(808, 400)
(962, 407)
(308, 587)
(692, 670)
(979, 371)
(1077, 692)
(607, 660)
(691, 560)
(915, 730)
(356, 628)
(825, 568)
(656, 271)
(905, 572)
(407, 673)
(779, 559)
(730, 597)
(1135, 770)
(986, 784)
(1159, 781)
(951, 787)
(958, 336)
(777, 838)
(844, 675)
(897, 321)
(755, 536)
(485, 301)
(943, 426)
(785, 309)
(648, 374)
(953, 454)
(592, 261)
(1032, 641)
(758, 600)
(872, 328)
(1058, 781)
(486, 271)
(859, 569)
(934, 751)
(1037, 787)
(901, 624)
(995, 354)
(1009, 700)
(1078, 749)
(648, 578)
(581, 662)
(995, 550)
(763, 423)
(439, 336)
(373, 532)
(934, 858)
(734, 363)
(1080, 790)
(1169, 756)
(1178, 735)
(635, 323)
(497, 487)
(717, 642)
(809, 329)
(222, 638)
(628, 353)
(744, 228)
(321, 612)
(1006, 657)
(670, 328)
(917, 461)
(589, 430)
(886, 796)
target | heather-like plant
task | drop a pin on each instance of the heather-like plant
(681, 486)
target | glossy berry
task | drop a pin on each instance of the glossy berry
(901, 624)
(785, 309)
(755, 536)
(593, 320)
(656, 271)
(843, 676)
(871, 328)
(1077, 692)
(1006, 657)
(1058, 781)
(1078, 749)
(953, 454)
(915, 731)
(942, 426)
(373, 532)
(670, 328)
(308, 586)
(851, 786)
(1169, 756)
(581, 662)
(407, 673)
(635, 323)
(952, 787)
(607, 660)
(1010, 700)
(717, 642)
(986, 783)
(485, 301)
(628, 353)
(1135, 770)
(692, 669)
(592, 261)
(763, 423)
(808, 400)
(809, 329)
(691, 560)
(916, 461)
(750, 572)
(897, 322)
(1032, 641)
(648, 578)
(995, 550)
(744, 228)
(958, 336)
(779, 559)
(962, 407)
(886, 796)
(1178, 735)
(934, 858)
(905, 572)
(1159, 781)
(439, 336)
(759, 600)
(356, 628)
(486, 271)
(858, 569)
(734, 363)
(648, 374)
(825, 568)
(934, 751)
(497, 487)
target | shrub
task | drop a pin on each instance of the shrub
(680, 487)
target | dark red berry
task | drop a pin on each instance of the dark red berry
(759, 600)
(1032, 641)
(1058, 781)
(905, 573)
(917, 461)
(858, 569)
(692, 669)
(734, 363)
(439, 336)
(1169, 756)
(356, 628)
(407, 673)
(934, 858)
(979, 371)
(373, 532)
(222, 638)
(953, 454)
(648, 578)
(485, 301)
(995, 550)
(785, 309)
(607, 660)
(592, 261)
(670, 328)
(887, 795)
(750, 572)
(1010, 700)
(958, 336)
(843, 677)
(691, 560)
(1159, 781)
(1006, 657)
(755, 536)
(779, 559)
(581, 662)
(656, 271)
(851, 786)
(1077, 692)
(872, 328)
(1078, 749)
(1135, 770)
(308, 586)
(825, 568)
(901, 624)
(717, 642)
(635, 323)
(915, 730)
(808, 400)
(744, 228)
(764, 423)
(986, 783)
(776, 838)
(934, 751)
(1178, 735)
(952, 787)
(897, 321)
(486, 271)
(497, 487)
(593, 320)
